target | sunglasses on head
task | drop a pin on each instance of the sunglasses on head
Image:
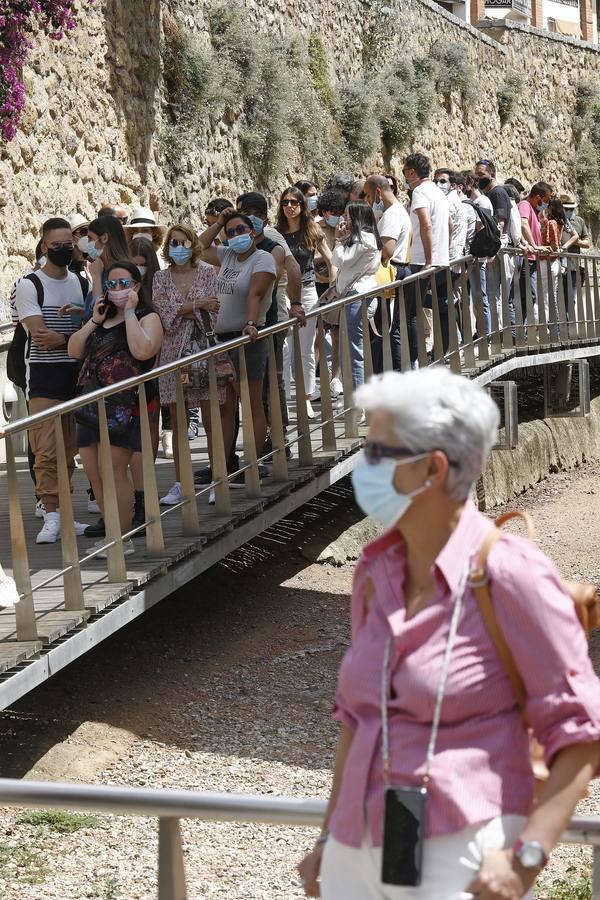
(290, 203)
(119, 282)
(237, 229)
(175, 243)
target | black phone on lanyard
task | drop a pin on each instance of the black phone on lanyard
(403, 836)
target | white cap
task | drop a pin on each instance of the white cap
(76, 220)
(141, 217)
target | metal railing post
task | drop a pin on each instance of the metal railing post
(580, 302)
(590, 330)
(571, 300)
(518, 303)
(551, 302)
(171, 870)
(532, 334)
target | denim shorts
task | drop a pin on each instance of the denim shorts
(87, 436)
(256, 357)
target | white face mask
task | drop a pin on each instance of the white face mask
(142, 234)
(375, 492)
(42, 262)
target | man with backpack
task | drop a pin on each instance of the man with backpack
(39, 362)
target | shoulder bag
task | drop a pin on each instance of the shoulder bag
(196, 375)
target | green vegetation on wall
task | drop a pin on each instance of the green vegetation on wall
(279, 93)
(586, 158)
(508, 95)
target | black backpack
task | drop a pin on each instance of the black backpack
(15, 358)
(486, 241)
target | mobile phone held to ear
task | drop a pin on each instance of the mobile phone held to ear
(403, 836)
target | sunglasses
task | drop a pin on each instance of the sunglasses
(374, 452)
(174, 243)
(119, 282)
(237, 229)
(61, 245)
(80, 232)
(290, 203)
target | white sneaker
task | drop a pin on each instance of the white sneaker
(166, 440)
(316, 395)
(79, 528)
(211, 497)
(192, 432)
(40, 510)
(336, 387)
(173, 497)
(50, 533)
(310, 411)
(92, 504)
(128, 549)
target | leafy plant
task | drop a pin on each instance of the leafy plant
(18, 21)
(360, 119)
(586, 158)
(57, 820)
(22, 862)
(508, 94)
(454, 71)
(318, 66)
(575, 886)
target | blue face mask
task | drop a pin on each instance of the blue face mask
(542, 207)
(378, 206)
(258, 224)
(241, 243)
(375, 492)
(92, 251)
(311, 203)
(332, 221)
(180, 255)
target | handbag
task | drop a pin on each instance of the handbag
(332, 294)
(196, 375)
(587, 608)
(109, 361)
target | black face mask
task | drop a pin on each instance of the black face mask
(484, 182)
(468, 191)
(60, 257)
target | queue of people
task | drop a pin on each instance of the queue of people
(159, 292)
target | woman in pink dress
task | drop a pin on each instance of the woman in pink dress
(180, 293)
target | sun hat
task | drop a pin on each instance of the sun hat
(77, 221)
(568, 201)
(142, 217)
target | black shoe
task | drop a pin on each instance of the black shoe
(139, 513)
(203, 476)
(96, 531)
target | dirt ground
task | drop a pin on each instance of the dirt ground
(226, 686)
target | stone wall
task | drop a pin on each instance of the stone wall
(95, 107)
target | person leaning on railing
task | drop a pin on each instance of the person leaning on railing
(120, 340)
(423, 698)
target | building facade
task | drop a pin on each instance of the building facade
(577, 18)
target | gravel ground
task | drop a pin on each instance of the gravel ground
(230, 690)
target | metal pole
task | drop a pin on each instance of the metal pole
(171, 872)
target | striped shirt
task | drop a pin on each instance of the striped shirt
(481, 767)
(50, 373)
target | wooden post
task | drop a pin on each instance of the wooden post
(155, 542)
(68, 540)
(553, 326)
(452, 331)
(305, 455)
(532, 334)
(589, 314)
(420, 315)
(518, 302)
(537, 13)
(117, 570)
(483, 350)
(468, 348)
(251, 477)
(386, 337)
(366, 330)
(438, 350)
(544, 337)
(190, 524)
(581, 330)
(507, 339)
(595, 275)
(571, 301)
(25, 609)
(477, 11)
(403, 327)
(219, 457)
(327, 422)
(350, 423)
(279, 461)
(491, 295)
(171, 869)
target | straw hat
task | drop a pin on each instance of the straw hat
(142, 217)
(76, 221)
(568, 201)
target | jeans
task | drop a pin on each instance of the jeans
(533, 273)
(355, 339)
(478, 275)
(307, 345)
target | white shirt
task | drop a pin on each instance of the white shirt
(459, 225)
(362, 258)
(428, 196)
(485, 203)
(395, 224)
(472, 220)
(515, 226)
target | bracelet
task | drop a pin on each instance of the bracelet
(93, 321)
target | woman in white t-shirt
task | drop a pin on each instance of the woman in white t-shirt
(353, 266)
(244, 291)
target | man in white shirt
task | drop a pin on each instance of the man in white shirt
(430, 220)
(395, 232)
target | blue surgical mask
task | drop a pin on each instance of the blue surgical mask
(542, 207)
(444, 187)
(180, 255)
(241, 243)
(259, 225)
(375, 492)
(311, 203)
(92, 251)
(570, 214)
(332, 221)
(378, 206)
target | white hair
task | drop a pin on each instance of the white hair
(436, 410)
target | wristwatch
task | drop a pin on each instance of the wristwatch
(530, 854)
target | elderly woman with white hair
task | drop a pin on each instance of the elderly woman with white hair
(432, 794)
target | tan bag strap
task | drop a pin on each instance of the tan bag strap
(481, 589)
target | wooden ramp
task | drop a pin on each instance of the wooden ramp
(63, 635)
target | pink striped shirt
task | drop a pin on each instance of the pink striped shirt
(481, 768)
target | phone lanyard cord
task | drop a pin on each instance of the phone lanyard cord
(385, 680)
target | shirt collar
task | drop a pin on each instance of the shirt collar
(464, 542)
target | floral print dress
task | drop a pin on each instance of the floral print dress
(178, 332)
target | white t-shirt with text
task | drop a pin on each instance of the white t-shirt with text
(233, 284)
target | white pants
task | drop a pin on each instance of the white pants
(450, 864)
(543, 293)
(307, 345)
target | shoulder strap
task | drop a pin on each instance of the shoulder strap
(39, 287)
(481, 589)
(83, 284)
